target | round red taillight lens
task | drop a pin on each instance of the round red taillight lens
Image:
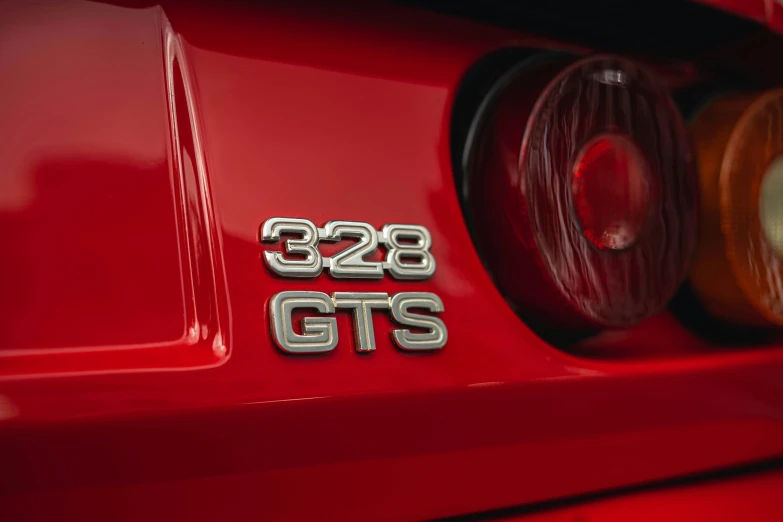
(611, 191)
(582, 193)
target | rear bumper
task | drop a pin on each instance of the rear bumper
(754, 496)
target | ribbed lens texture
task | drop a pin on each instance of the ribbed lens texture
(588, 217)
(748, 166)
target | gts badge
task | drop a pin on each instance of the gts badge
(408, 257)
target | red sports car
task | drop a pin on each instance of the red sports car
(379, 260)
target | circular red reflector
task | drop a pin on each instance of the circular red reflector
(582, 193)
(611, 191)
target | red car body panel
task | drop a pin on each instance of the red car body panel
(769, 12)
(755, 497)
(137, 373)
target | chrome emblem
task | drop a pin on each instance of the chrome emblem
(408, 257)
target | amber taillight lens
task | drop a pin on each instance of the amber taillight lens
(582, 193)
(737, 272)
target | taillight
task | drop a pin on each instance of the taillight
(612, 191)
(737, 272)
(582, 193)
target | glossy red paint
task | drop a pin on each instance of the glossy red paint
(754, 497)
(756, 10)
(768, 12)
(109, 261)
(149, 266)
(775, 15)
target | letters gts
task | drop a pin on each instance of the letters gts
(319, 333)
